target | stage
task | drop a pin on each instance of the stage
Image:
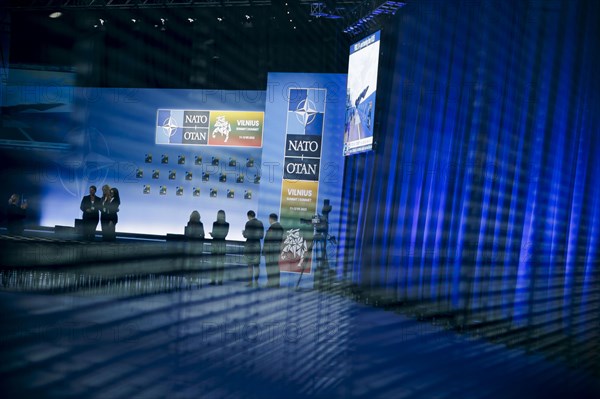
(135, 329)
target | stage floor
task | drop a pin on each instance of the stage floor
(232, 341)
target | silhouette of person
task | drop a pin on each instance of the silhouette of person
(272, 250)
(15, 215)
(194, 228)
(219, 231)
(108, 213)
(253, 232)
(90, 206)
(194, 234)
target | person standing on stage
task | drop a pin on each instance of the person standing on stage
(108, 214)
(253, 232)
(105, 199)
(194, 229)
(219, 231)
(90, 206)
(15, 215)
(272, 250)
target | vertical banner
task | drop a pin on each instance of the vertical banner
(300, 187)
(303, 154)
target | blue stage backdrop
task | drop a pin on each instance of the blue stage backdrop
(482, 198)
(168, 152)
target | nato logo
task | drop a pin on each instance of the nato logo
(195, 127)
(303, 145)
(306, 108)
(169, 126)
(301, 169)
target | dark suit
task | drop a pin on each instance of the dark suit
(219, 232)
(194, 230)
(15, 216)
(253, 232)
(91, 215)
(271, 252)
(194, 235)
(109, 218)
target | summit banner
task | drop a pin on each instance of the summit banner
(303, 149)
(209, 128)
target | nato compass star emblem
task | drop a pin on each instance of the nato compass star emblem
(169, 126)
(305, 112)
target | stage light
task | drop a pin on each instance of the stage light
(137, 23)
(248, 22)
(100, 24)
(55, 14)
(219, 19)
(191, 20)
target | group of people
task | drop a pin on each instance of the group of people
(253, 232)
(104, 210)
(195, 231)
(95, 209)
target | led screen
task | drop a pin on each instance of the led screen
(361, 90)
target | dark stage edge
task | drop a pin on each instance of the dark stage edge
(232, 341)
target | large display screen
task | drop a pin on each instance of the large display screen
(361, 90)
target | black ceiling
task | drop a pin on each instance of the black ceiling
(222, 47)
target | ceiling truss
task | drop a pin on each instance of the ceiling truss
(138, 4)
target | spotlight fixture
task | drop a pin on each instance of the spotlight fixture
(100, 24)
(136, 24)
(163, 22)
(219, 19)
(55, 14)
(248, 22)
(191, 20)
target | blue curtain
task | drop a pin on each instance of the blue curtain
(482, 196)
